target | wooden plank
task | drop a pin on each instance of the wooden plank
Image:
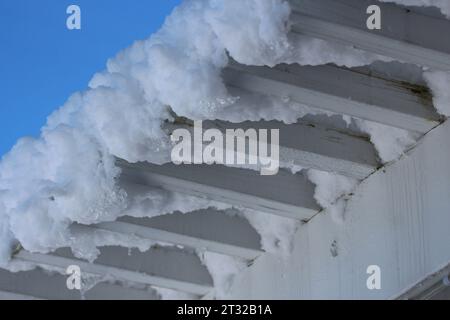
(283, 194)
(224, 226)
(432, 286)
(163, 236)
(40, 285)
(310, 145)
(406, 35)
(161, 268)
(341, 91)
(4, 295)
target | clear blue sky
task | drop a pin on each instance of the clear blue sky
(42, 63)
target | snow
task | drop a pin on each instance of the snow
(85, 244)
(439, 82)
(168, 294)
(330, 190)
(276, 232)
(150, 202)
(391, 143)
(55, 180)
(68, 174)
(223, 270)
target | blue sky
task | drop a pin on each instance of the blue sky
(42, 63)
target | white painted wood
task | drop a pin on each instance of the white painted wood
(341, 91)
(442, 295)
(398, 219)
(429, 288)
(210, 296)
(40, 285)
(309, 145)
(406, 35)
(283, 194)
(163, 236)
(223, 226)
(4, 295)
(177, 273)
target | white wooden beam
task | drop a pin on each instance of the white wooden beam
(163, 236)
(5, 295)
(341, 91)
(40, 285)
(161, 269)
(405, 35)
(283, 194)
(310, 145)
(223, 226)
(430, 287)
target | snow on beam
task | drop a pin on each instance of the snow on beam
(40, 285)
(341, 91)
(157, 267)
(285, 194)
(406, 34)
